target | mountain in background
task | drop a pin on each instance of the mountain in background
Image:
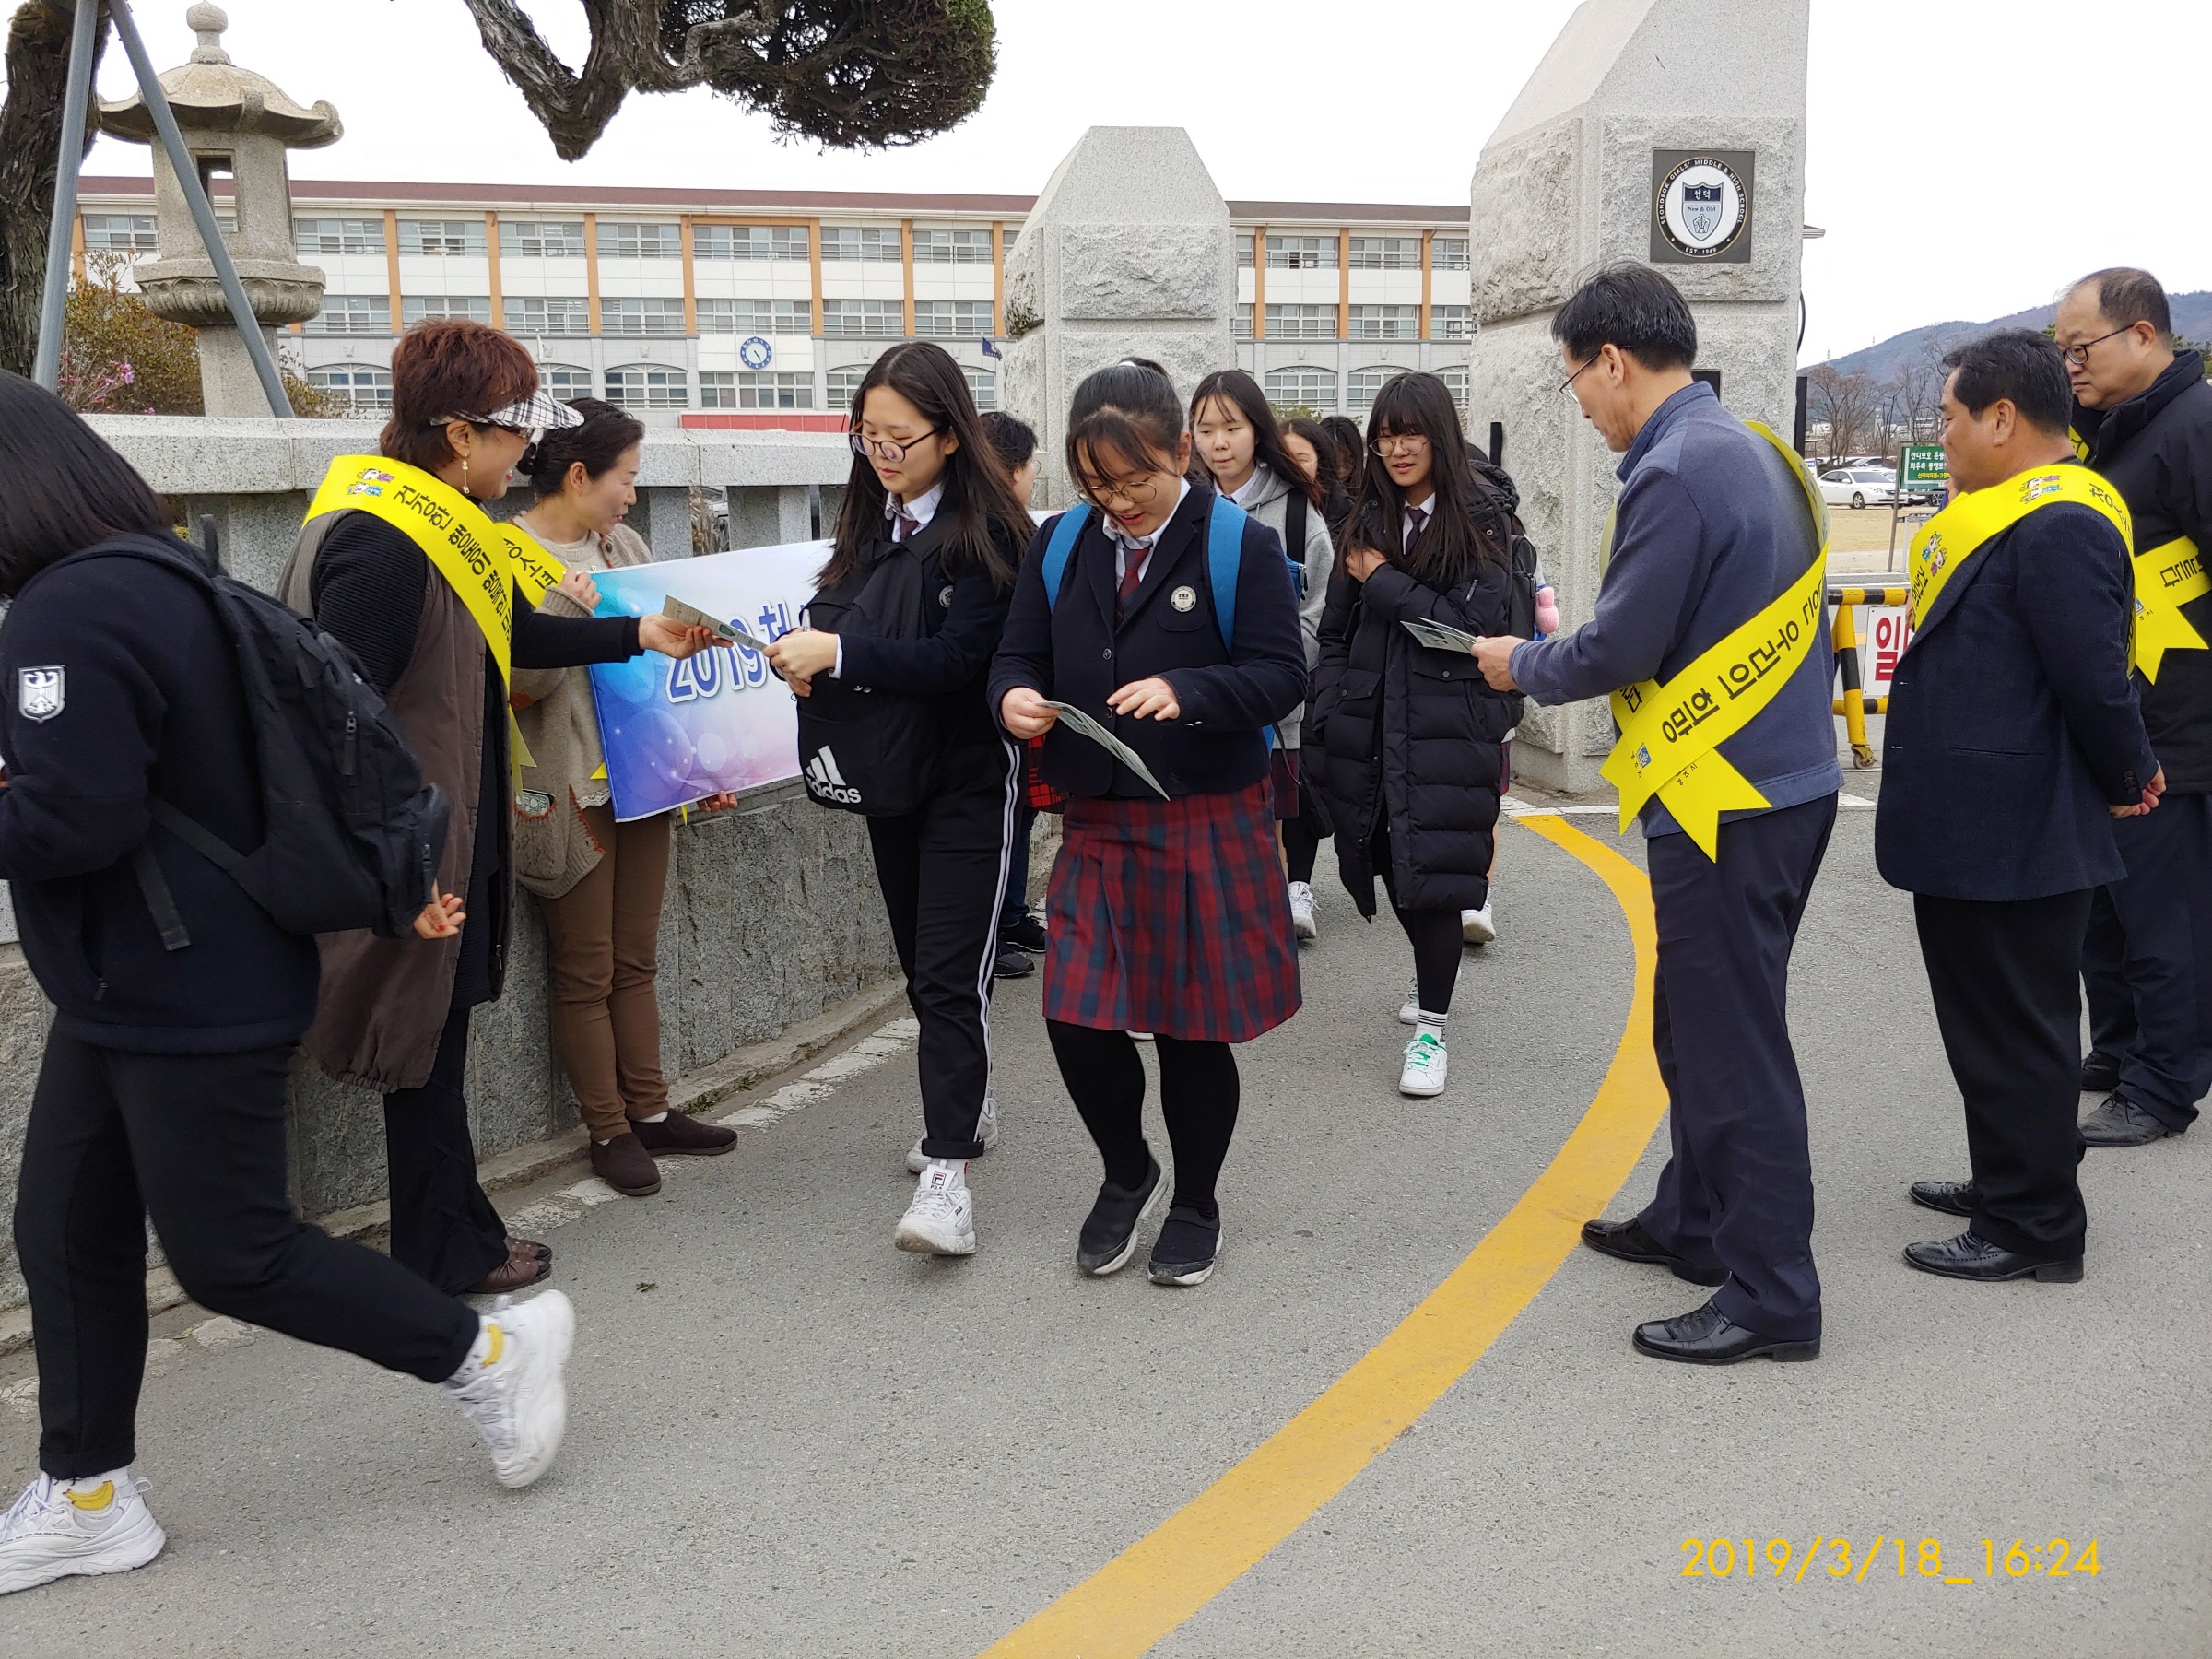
(2192, 321)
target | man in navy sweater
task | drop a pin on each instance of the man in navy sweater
(1713, 526)
(2014, 740)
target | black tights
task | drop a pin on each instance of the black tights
(1301, 846)
(1197, 1098)
(1435, 934)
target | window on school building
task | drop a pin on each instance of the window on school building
(1244, 322)
(564, 380)
(1386, 323)
(363, 389)
(1448, 253)
(952, 319)
(121, 233)
(533, 316)
(983, 386)
(1455, 382)
(880, 246)
(1244, 252)
(648, 386)
(430, 238)
(353, 314)
(952, 247)
(320, 238)
(750, 241)
(841, 384)
(1449, 322)
(1361, 384)
(864, 319)
(1386, 252)
(720, 389)
(640, 241)
(634, 316)
(756, 317)
(458, 308)
(1301, 254)
(1300, 388)
(1301, 322)
(542, 239)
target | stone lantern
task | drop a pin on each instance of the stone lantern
(237, 125)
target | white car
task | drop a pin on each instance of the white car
(1859, 487)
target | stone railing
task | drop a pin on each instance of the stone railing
(771, 928)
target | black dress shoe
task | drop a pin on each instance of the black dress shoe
(2099, 1074)
(2120, 1123)
(1952, 1197)
(1109, 1237)
(1629, 1242)
(1708, 1337)
(1970, 1257)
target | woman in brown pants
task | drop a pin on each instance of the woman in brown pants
(598, 882)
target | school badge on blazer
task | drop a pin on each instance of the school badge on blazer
(40, 693)
(1184, 598)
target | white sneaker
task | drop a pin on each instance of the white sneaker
(1303, 923)
(1475, 926)
(1409, 1011)
(59, 1527)
(514, 1396)
(1425, 1068)
(941, 1219)
(987, 1131)
(1141, 1036)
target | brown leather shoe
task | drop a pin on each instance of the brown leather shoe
(680, 1133)
(544, 1252)
(625, 1165)
(521, 1269)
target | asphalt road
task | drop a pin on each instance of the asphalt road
(787, 1439)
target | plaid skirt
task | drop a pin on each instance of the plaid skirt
(1171, 917)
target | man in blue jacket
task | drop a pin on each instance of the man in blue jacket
(2013, 742)
(1713, 526)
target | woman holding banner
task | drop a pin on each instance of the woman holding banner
(438, 603)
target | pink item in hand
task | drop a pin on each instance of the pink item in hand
(1547, 610)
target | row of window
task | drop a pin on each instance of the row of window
(652, 386)
(1366, 252)
(1310, 388)
(563, 238)
(853, 319)
(1366, 323)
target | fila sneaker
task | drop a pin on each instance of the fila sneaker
(95, 1524)
(987, 1131)
(941, 1219)
(511, 1388)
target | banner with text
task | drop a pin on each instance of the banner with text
(675, 733)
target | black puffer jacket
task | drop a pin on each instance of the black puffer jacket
(1395, 727)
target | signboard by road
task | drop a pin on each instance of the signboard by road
(1924, 468)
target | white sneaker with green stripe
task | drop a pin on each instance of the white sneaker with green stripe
(1425, 1066)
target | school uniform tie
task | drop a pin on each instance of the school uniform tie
(1418, 517)
(1132, 575)
(905, 526)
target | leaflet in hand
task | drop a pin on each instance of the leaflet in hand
(1083, 726)
(690, 616)
(1437, 636)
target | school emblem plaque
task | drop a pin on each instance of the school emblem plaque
(1701, 207)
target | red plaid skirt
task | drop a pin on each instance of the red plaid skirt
(1171, 917)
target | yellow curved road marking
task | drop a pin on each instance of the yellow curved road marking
(1161, 1580)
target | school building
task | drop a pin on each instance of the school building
(765, 308)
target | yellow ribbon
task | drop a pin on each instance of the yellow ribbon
(1955, 535)
(1670, 735)
(2168, 577)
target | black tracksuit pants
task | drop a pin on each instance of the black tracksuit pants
(1737, 1192)
(2004, 979)
(197, 1141)
(943, 871)
(2147, 960)
(442, 1225)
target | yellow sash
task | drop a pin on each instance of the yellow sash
(1953, 535)
(2167, 578)
(1669, 734)
(482, 561)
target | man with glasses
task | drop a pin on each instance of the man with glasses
(2143, 418)
(1712, 525)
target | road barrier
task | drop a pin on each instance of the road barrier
(1855, 704)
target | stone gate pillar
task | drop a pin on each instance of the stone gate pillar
(1126, 253)
(1669, 131)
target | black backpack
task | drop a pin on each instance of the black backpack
(352, 834)
(875, 752)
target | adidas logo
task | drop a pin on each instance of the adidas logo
(825, 782)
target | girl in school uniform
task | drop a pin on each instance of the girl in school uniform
(1168, 916)
(1403, 743)
(925, 478)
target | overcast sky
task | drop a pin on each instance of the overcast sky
(1963, 161)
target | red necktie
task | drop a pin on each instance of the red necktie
(1420, 515)
(1133, 573)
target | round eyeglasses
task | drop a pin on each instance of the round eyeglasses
(886, 449)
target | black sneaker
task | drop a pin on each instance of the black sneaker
(1109, 1237)
(1184, 1251)
(1025, 935)
(1011, 964)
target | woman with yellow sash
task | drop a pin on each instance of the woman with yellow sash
(399, 561)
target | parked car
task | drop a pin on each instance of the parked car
(1859, 487)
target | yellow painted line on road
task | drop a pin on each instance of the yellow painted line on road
(1161, 1580)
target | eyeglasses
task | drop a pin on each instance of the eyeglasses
(885, 449)
(1137, 492)
(2079, 355)
(1567, 386)
(1399, 444)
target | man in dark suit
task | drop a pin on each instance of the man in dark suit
(2014, 739)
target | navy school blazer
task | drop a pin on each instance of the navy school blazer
(2012, 721)
(1076, 653)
